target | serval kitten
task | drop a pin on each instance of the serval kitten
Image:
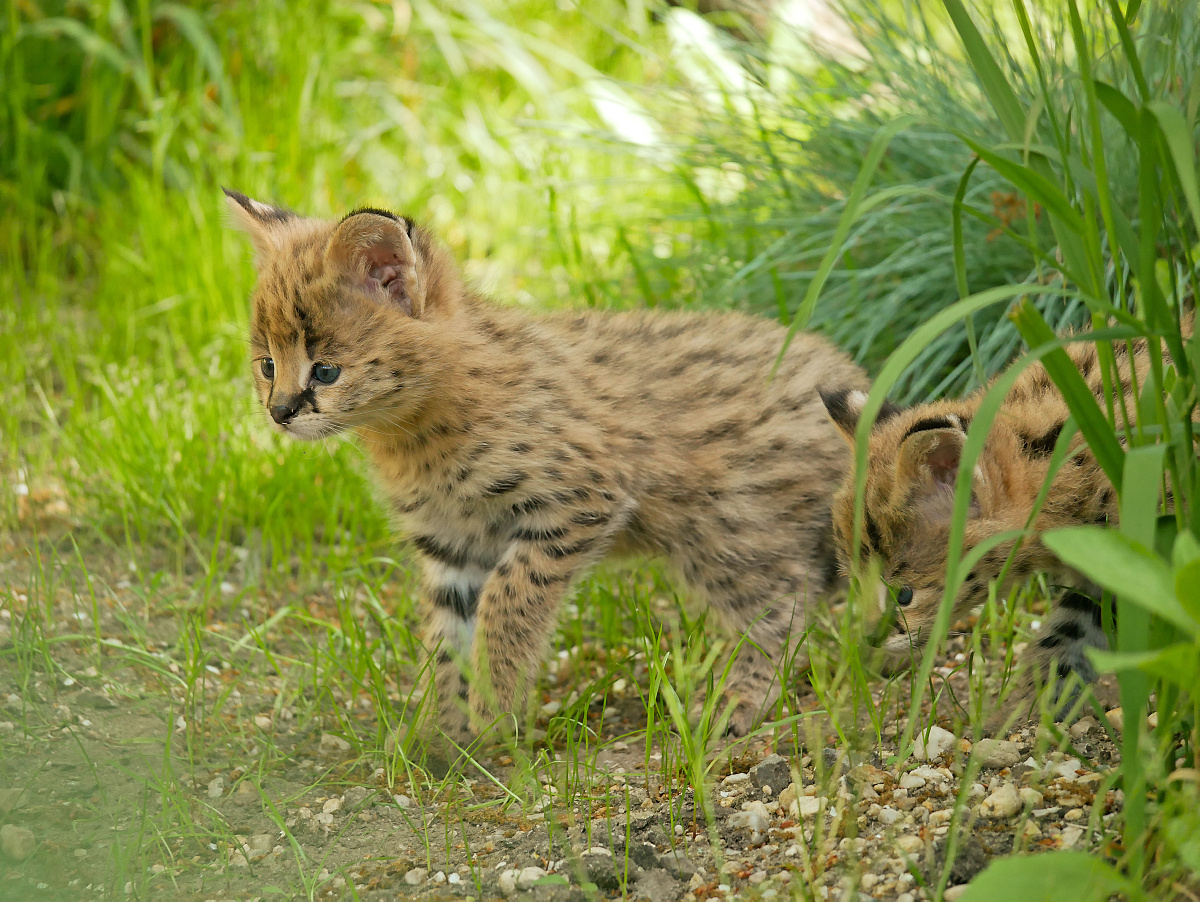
(912, 464)
(517, 450)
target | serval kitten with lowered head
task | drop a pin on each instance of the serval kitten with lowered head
(912, 464)
(516, 451)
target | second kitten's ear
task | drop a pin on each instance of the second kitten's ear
(375, 246)
(927, 467)
(844, 407)
(262, 222)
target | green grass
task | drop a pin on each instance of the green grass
(240, 597)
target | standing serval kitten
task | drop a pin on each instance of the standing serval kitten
(912, 464)
(517, 451)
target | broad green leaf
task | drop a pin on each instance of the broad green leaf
(1179, 142)
(1037, 186)
(1050, 877)
(1123, 566)
(1187, 549)
(1178, 664)
(1187, 589)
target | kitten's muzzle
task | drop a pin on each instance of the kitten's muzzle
(283, 413)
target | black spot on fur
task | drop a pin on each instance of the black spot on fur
(562, 551)
(441, 553)
(506, 485)
(1042, 445)
(928, 423)
(540, 535)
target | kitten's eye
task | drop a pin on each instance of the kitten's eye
(904, 597)
(267, 365)
(326, 373)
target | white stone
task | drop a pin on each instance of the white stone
(17, 843)
(551, 708)
(1080, 728)
(416, 876)
(331, 743)
(888, 815)
(529, 876)
(954, 893)
(1071, 836)
(910, 844)
(997, 753)
(402, 801)
(1004, 802)
(911, 781)
(933, 744)
(1031, 797)
(1032, 830)
(508, 881)
(754, 817)
(806, 807)
(735, 779)
(262, 721)
(216, 787)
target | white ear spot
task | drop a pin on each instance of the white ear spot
(262, 209)
(857, 399)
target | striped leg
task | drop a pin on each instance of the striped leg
(450, 598)
(1058, 656)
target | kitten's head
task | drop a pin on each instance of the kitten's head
(344, 328)
(912, 464)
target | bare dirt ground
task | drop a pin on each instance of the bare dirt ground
(157, 766)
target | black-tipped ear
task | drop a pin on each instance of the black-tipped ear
(845, 406)
(262, 222)
(256, 209)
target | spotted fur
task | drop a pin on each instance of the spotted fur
(912, 465)
(518, 450)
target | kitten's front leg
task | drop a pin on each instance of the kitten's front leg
(517, 611)
(449, 601)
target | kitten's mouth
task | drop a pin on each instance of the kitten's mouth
(307, 432)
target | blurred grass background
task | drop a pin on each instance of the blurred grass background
(612, 154)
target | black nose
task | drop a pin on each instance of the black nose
(283, 413)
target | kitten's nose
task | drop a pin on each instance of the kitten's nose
(283, 413)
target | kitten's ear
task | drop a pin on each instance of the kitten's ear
(375, 246)
(927, 467)
(845, 406)
(262, 222)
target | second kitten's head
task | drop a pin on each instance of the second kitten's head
(344, 330)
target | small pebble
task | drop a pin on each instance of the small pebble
(933, 744)
(416, 876)
(1004, 802)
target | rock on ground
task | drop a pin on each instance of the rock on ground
(772, 771)
(657, 885)
(16, 842)
(997, 753)
(933, 743)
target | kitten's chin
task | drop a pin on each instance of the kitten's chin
(308, 432)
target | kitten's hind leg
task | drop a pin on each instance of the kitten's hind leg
(1058, 659)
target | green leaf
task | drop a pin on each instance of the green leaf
(1187, 549)
(1049, 877)
(1187, 589)
(1082, 403)
(1123, 566)
(1179, 142)
(1177, 664)
(1034, 184)
(999, 93)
